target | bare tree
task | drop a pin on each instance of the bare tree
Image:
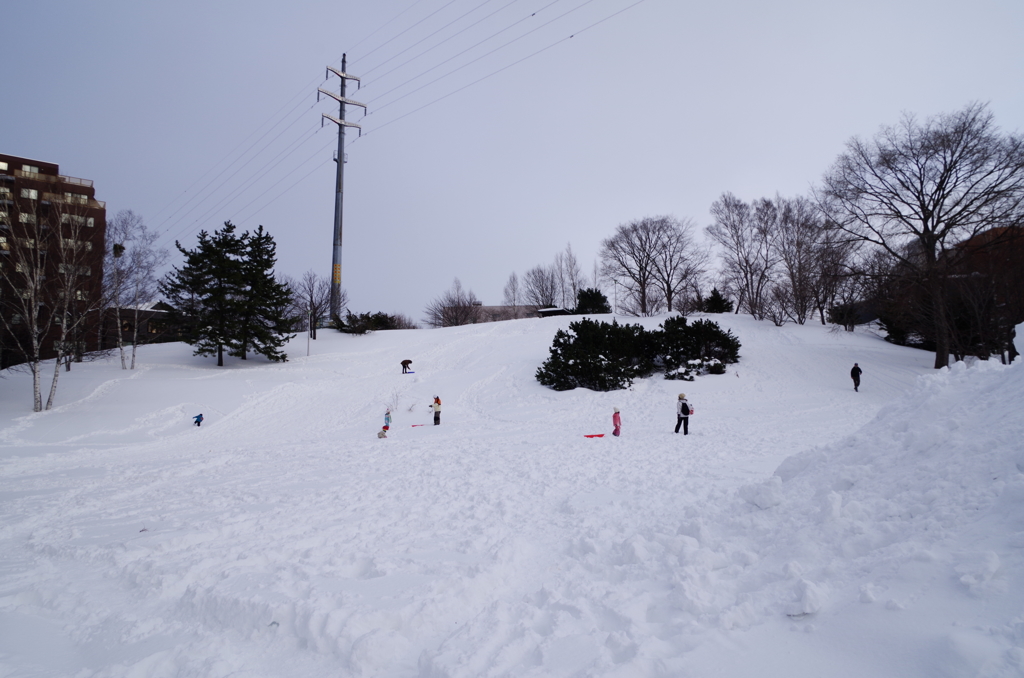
(28, 310)
(679, 263)
(746, 234)
(116, 271)
(799, 231)
(311, 294)
(628, 260)
(834, 256)
(541, 286)
(931, 183)
(453, 308)
(572, 277)
(131, 261)
(50, 279)
(512, 297)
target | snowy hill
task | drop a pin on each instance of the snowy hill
(801, 529)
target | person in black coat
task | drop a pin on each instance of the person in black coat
(855, 375)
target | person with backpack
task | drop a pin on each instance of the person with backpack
(198, 419)
(855, 375)
(683, 412)
(616, 422)
(436, 406)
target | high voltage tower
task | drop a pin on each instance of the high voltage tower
(340, 182)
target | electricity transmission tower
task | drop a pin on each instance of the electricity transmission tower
(340, 182)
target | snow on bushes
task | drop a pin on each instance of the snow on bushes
(606, 357)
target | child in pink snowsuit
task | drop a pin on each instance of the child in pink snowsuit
(617, 422)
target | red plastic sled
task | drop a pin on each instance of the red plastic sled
(419, 424)
(594, 435)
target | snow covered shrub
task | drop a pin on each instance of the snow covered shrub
(701, 348)
(695, 368)
(362, 323)
(599, 356)
(603, 357)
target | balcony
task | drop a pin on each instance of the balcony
(76, 180)
(60, 178)
(86, 201)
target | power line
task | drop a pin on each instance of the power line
(229, 153)
(274, 199)
(386, 42)
(430, 49)
(409, 113)
(385, 24)
(427, 37)
(503, 68)
(482, 56)
(170, 224)
(244, 186)
(490, 37)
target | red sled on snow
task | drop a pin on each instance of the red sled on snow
(593, 435)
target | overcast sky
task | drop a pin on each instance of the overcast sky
(193, 113)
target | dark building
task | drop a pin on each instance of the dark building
(154, 325)
(52, 232)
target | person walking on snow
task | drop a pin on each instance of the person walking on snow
(198, 419)
(405, 366)
(855, 375)
(616, 422)
(436, 405)
(683, 414)
(387, 419)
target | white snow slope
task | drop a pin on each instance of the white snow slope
(801, 529)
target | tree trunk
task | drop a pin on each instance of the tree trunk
(940, 327)
(37, 387)
(135, 335)
(53, 384)
(120, 339)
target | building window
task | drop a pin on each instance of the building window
(16, 319)
(30, 193)
(27, 218)
(90, 222)
(3, 166)
(30, 168)
(76, 197)
(64, 269)
(4, 245)
(5, 192)
(80, 295)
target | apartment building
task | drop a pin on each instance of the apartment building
(52, 232)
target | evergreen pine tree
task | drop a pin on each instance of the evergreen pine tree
(716, 303)
(592, 301)
(262, 304)
(204, 292)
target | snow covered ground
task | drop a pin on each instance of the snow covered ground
(801, 529)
